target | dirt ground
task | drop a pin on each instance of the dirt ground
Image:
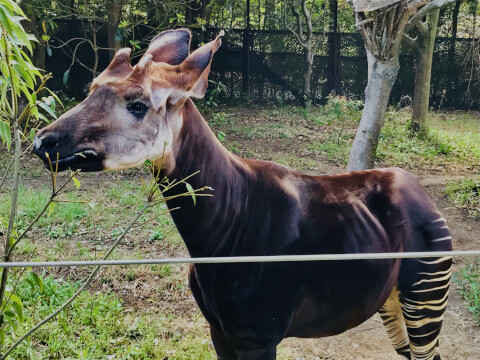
(460, 337)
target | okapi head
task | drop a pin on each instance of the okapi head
(132, 114)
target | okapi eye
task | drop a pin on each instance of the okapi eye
(137, 108)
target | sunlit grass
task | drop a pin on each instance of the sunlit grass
(466, 195)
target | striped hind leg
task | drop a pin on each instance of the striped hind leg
(423, 304)
(392, 316)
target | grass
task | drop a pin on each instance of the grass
(466, 195)
(469, 280)
(326, 133)
(448, 143)
(98, 325)
(146, 312)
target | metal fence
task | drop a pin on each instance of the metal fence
(267, 66)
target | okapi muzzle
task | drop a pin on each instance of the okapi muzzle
(131, 114)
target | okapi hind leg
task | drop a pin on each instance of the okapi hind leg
(392, 316)
(424, 301)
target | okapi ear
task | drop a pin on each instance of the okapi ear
(197, 66)
(120, 64)
(171, 46)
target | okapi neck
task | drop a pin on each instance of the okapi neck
(206, 225)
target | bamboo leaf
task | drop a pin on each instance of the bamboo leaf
(24, 75)
(65, 77)
(2, 335)
(15, 299)
(47, 109)
(76, 181)
(18, 310)
(51, 207)
(5, 133)
(43, 117)
(13, 6)
(5, 17)
(192, 193)
(32, 134)
(38, 280)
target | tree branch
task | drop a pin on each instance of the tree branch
(297, 15)
(412, 43)
(432, 5)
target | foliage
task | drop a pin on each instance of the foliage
(20, 80)
(466, 195)
(215, 89)
(469, 280)
(98, 327)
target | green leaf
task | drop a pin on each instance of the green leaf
(20, 70)
(5, 133)
(65, 77)
(2, 335)
(14, 7)
(43, 117)
(18, 310)
(5, 17)
(47, 109)
(192, 193)
(77, 183)
(12, 241)
(30, 282)
(32, 134)
(9, 314)
(16, 300)
(38, 280)
(51, 207)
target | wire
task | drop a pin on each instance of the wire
(244, 259)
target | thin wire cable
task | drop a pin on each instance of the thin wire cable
(244, 259)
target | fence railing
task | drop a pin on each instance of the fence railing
(245, 259)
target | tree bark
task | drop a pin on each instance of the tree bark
(114, 11)
(381, 77)
(306, 40)
(423, 59)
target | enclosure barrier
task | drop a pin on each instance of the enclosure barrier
(244, 259)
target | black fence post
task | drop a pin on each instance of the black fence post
(334, 49)
(246, 56)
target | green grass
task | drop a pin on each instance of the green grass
(109, 210)
(97, 326)
(466, 195)
(105, 322)
(469, 281)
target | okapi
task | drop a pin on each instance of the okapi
(143, 112)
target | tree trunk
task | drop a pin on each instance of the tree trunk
(307, 76)
(423, 60)
(114, 10)
(381, 77)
